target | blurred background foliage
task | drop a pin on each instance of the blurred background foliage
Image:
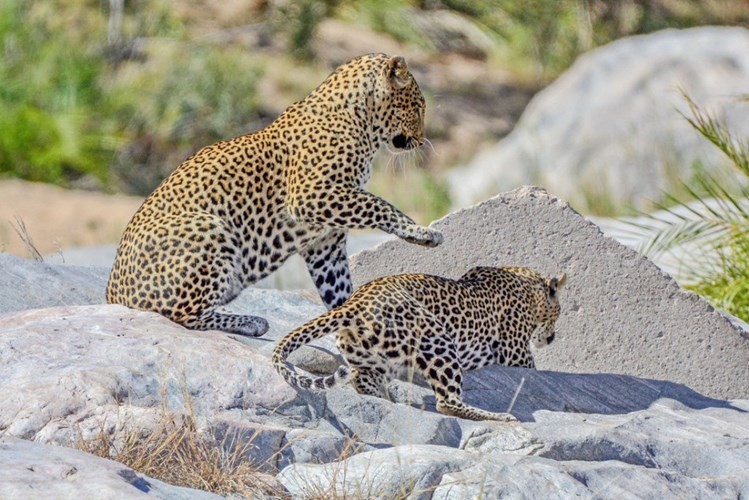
(112, 95)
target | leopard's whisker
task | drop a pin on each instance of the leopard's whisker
(431, 146)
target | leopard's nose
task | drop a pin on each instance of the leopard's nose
(400, 141)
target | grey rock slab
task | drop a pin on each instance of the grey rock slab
(510, 477)
(411, 471)
(284, 312)
(317, 447)
(86, 256)
(65, 371)
(709, 442)
(615, 118)
(377, 421)
(27, 284)
(664, 451)
(620, 313)
(34, 470)
(260, 444)
(69, 373)
(523, 392)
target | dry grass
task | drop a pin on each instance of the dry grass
(23, 233)
(178, 453)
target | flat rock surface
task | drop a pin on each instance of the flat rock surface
(564, 455)
(27, 284)
(620, 313)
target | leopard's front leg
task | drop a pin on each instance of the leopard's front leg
(328, 266)
(340, 207)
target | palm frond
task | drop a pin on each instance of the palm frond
(716, 132)
(709, 235)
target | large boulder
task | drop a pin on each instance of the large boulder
(620, 313)
(609, 132)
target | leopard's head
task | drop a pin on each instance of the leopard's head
(399, 107)
(547, 312)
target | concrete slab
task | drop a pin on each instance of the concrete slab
(620, 313)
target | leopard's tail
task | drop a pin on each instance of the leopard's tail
(330, 322)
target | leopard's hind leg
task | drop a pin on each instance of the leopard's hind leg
(437, 358)
(184, 266)
(368, 376)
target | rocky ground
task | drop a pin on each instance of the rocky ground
(642, 394)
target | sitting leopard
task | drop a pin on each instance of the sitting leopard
(435, 326)
(236, 210)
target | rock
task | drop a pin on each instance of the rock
(89, 256)
(524, 392)
(637, 455)
(406, 471)
(34, 470)
(620, 313)
(448, 32)
(69, 373)
(615, 118)
(702, 447)
(105, 356)
(28, 284)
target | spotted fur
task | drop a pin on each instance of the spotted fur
(236, 210)
(438, 327)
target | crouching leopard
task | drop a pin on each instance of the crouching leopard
(435, 326)
(236, 210)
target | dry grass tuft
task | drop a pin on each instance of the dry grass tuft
(20, 228)
(178, 453)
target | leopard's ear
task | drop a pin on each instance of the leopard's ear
(556, 283)
(397, 72)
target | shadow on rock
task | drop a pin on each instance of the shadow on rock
(522, 392)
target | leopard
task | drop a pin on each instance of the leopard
(435, 327)
(233, 212)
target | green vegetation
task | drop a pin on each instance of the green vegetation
(100, 109)
(538, 39)
(113, 95)
(714, 226)
(169, 107)
(49, 96)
